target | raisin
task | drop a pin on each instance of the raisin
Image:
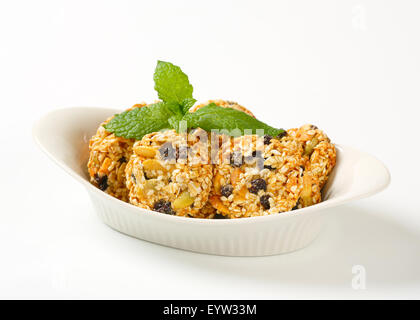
(163, 206)
(267, 139)
(102, 182)
(226, 190)
(122, 160)
(236, 159)
(264, 200)
(269, 167)
(219, 216)
(257, 185)
(257, 153)
(281, 135)
(167, 151)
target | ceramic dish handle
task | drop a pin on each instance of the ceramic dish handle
(356, 175)
(64, 134)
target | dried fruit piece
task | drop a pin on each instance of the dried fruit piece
(267, 139)
(264, 200)
(241, 195)
(144, 151)
(153, 164)
(282, 134)
(310, 145)
(217, 203)
(234, 177)
(150, 184)
(102, 182)
(217, 183)
(256, 154)
(163, 206)
(257, 185)
(122, 159)
(226, 190)
(184, 200)
(306, 194)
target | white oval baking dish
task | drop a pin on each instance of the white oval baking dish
(64, 135)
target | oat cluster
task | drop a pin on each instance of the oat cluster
(108, 157)
(169, 173)
(196, 175)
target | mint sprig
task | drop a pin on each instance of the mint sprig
(175, 91)
(136, 123)
(173, 86)
(234, 121)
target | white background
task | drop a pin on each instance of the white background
(350, 67)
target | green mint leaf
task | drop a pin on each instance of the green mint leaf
(174, 121)
(174, 107)
(215, 117)
(187, 104)
(135, 123)
(171, 83)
